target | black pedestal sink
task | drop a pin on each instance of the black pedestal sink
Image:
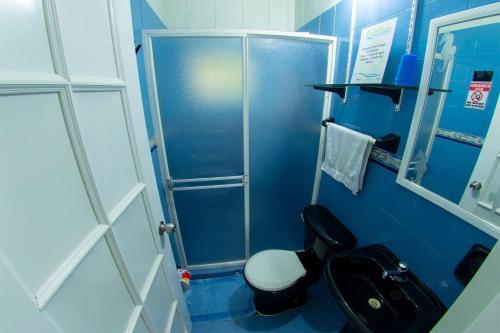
(378, 302)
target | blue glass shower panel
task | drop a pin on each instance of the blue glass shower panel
(285, 122)
(199, 82)
(212, 221)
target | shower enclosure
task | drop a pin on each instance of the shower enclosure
(239, 137)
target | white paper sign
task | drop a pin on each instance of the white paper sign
(478, 95)
(373, 52)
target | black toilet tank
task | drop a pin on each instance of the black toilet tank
(328, 228)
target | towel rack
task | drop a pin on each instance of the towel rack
(389, 142)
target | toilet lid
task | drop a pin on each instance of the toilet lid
(273, 270)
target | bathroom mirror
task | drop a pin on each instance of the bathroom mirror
(452, 156)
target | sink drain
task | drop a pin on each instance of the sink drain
(374, 303)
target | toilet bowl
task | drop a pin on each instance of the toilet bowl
(280, 278)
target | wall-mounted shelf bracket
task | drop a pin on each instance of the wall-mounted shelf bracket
(339, 90)
(394, 93)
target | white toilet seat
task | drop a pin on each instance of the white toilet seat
(274, 270)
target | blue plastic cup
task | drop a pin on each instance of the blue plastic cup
(407, 70)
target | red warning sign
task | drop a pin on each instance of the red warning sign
(478, 95)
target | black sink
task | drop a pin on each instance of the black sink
(373, 303)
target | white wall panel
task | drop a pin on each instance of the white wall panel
(94, 298)
(281, 15)
(132, 228)
(86, 34)
(176, 14)
(299, 13)
(313, 8)
(109, 152)
(160, 7)
(201, 14)
(24, 44)
(256, 14)
(41, 192)
(229, 14)
(306, 10)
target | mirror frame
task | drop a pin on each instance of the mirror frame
(455, 209)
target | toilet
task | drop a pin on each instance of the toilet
(280, 278)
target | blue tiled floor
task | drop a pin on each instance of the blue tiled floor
(220, 298)
(319, 314)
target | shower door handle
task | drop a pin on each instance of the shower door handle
(166, 228)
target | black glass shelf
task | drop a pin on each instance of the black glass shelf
(393, 91)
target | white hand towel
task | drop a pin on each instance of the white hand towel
(346, 156)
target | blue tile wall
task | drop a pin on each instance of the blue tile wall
(144, 17)
(430, 239)
(327, 22)
(312, 27)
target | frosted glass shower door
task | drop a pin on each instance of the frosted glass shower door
(199, 84)
(241, 136)
(285, 123)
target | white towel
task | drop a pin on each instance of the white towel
(346, 156)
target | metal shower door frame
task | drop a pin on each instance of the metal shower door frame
(167, 180)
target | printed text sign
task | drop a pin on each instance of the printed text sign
(478, 95)
(374, 48)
